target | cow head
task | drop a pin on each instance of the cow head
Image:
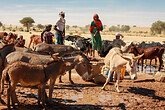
(131, 66)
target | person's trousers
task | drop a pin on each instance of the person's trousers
(59, 38)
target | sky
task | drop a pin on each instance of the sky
(141, 13)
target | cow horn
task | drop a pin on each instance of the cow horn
(126, 57)
(56, 54)
(139, 56)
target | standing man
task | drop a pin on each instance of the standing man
(95, 28)
(118, 42)
(60, 29)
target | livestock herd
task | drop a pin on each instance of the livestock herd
(34, 67)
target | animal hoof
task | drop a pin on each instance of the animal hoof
(103, 88)
(38, 102)
(19, 103)
(60, 82)
(71, 82)
(118, 91)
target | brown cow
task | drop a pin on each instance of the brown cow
(35, 39)
(149, 53)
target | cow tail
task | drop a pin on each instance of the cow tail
(31, 39)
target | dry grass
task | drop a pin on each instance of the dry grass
(134, 35)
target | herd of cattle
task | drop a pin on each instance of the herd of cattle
(34, 67)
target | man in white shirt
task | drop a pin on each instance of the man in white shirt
(118, 42)
(60, 29)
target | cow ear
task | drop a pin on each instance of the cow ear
(139, 56)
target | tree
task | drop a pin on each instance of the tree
(114, 28)
(74, 26)
(87, 27)
(104, 26)
(1, 24)
(158, 27)
(27, 21)
(125, 28)
(67, 27)
(40, 26)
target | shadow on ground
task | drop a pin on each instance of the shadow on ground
(145, 92)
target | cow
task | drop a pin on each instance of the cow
(149, 53)
(84, 44)
(35, 39)
(81, 43)
(147, 45)
(106, 46)
(71, 38)
(115, 61)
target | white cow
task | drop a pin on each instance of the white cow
(115, 61)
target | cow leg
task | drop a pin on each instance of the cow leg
(155, 62)
(90, 52)
(142, 65)
(93, 53)
(161, 62)
(70, 78)
(145, 63)
(150, 64)
(33, 45)
(60, 79)
(117, 81)
(138, 65)
(108, 79)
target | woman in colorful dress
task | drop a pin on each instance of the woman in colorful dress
(48, 27)
(95, 28)
(48, 36)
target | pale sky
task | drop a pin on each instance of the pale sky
(141, 13)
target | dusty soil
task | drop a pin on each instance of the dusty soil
(143, 93)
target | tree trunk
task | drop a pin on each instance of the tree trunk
(27, 27)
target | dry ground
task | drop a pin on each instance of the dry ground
(143, 93)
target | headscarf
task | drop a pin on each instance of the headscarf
(97, 22)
